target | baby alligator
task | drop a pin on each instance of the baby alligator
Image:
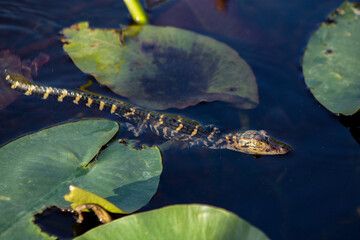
(168, 126)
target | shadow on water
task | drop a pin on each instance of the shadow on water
(353, 123)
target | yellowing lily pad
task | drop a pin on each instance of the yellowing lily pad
(162, 67)
(332, 60)
(80, 196)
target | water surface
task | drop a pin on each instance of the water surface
(310, 193)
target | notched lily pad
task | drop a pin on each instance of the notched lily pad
(37, 169)
(332, 60)
(162, 67)
(178, 222)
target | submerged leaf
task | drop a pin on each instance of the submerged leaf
(178, 222)
(332, 60)
(12, 63)
(38, 168)
(226, 18)
(162, 67)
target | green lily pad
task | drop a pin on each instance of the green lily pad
(37, 169)
(178, 222)
(162, 67)
(331, 61)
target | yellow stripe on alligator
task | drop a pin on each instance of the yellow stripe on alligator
(77, 99)
(101, 106)
(61, 97)
(47, 92)
(7, 77)
(228, 139)
(160, 120)
(132, 112)
(148, 116)
(113, 108)
(90, 101)
(13, 86)
(179, 127)
(158, 124)
(30, 89)
(194, 131)
(211, 135)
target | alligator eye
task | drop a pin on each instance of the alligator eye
(258, 137)
(263, 132)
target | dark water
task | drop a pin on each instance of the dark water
(311, 193)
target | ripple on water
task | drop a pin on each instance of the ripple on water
(22, 24)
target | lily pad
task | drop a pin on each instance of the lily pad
(162, 67)
(178, 222)
(38, 168)
(332, 60)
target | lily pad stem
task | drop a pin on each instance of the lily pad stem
(137, 11)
